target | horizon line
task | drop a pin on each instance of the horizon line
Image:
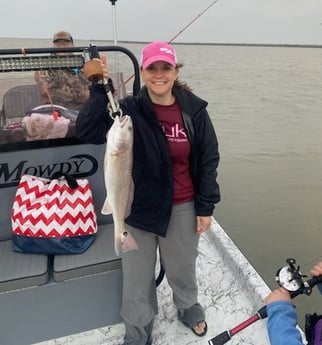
(295, 45)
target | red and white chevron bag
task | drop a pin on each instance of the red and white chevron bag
(53, 216)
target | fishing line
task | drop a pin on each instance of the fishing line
(184, 29)
(195, 18)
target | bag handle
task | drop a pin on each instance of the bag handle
(71, 180)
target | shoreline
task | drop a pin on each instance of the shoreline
(244, 44)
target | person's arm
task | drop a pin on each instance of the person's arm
(207, 189)
(282, 322)
(93, 120)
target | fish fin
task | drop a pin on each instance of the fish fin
(118, 245)
(106, 209)
(128, 242)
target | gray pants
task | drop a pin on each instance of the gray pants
(178, 252)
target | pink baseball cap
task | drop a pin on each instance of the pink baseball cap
(158, 51)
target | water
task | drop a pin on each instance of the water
(266, 105)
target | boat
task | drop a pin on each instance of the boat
(44, 298)
(76, 299)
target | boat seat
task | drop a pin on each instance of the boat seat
(99, 257)
(20, 99)
(21, 270)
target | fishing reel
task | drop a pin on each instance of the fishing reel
(290, 278)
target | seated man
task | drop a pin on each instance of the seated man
(68, 87)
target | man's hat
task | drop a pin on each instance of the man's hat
(62, 36)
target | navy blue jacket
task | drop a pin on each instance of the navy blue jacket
(152, 171)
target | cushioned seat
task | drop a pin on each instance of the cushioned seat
(100, 257)
(21, 99)
(21, 270)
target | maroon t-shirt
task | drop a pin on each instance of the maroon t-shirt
(170, 119)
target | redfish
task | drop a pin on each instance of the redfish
(118, 162)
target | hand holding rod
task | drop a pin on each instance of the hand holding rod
(225, 336)
(92, 68)
(94, 73)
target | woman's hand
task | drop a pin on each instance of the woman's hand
(103, 61)
(104, 72)
(203, 223)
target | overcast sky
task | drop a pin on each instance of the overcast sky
(227, 21)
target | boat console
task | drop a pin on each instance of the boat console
(42, 296)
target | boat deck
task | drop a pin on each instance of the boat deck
(229, 288)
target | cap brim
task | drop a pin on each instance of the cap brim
(161, 58)
(61, 39)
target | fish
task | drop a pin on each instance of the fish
(119, 185)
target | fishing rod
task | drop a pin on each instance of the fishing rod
(115, 33)
(114, 21)
(288, 277)
(182, 30)
(195, 18)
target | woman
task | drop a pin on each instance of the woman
(175, 157)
